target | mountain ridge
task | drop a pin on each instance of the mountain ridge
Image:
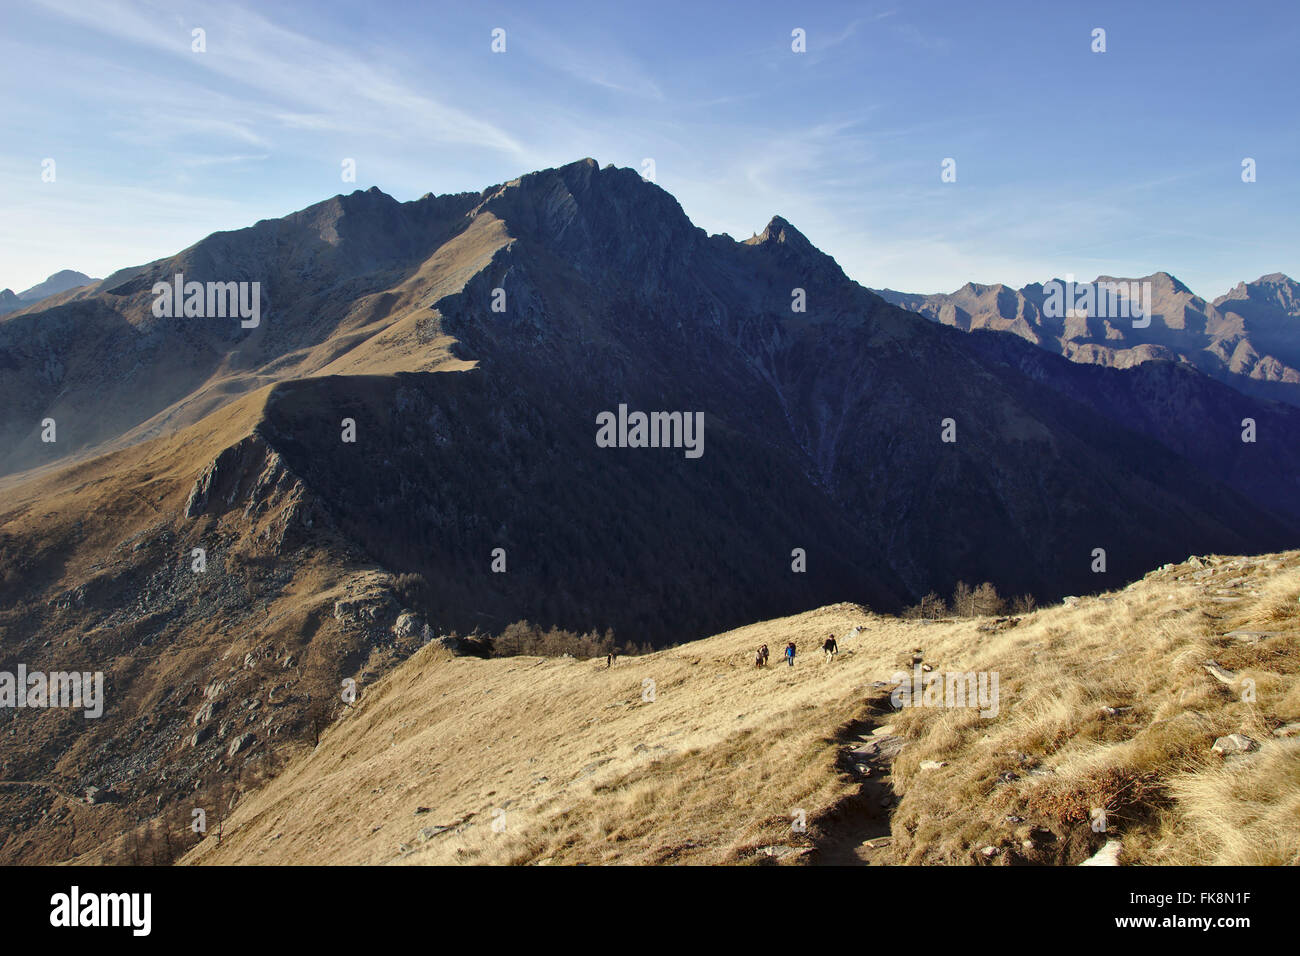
(65, 280)
(1214, 337)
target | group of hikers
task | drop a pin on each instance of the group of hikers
(829, 648)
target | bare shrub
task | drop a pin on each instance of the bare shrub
(524, 638)
(930, 607)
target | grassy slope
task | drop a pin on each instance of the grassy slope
(710, 771)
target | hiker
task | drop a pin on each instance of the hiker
(764, 651)
(609, 661)
(830, 647)
(758, 657)
(789, 653)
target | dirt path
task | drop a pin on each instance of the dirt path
(857, 832)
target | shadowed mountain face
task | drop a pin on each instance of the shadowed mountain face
(1268, 313)
(424, 387)
(1246, 339)
(479, 336)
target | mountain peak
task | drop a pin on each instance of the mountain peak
(1161, 281)
(1172, 281)
(780, 230)
(61, 281)
(1275, 278)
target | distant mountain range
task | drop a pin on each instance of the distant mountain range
(62, 281)
(1248, 338)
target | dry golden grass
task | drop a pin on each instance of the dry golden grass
(1150, 767)
(712, 769)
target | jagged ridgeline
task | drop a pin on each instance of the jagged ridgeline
(1245, 338)
(476, 338)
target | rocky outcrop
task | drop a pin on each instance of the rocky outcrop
(1234, 744)
(252, 474)
(240, 744)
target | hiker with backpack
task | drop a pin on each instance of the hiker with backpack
(789, 653)
(760, 658)
(830, 647)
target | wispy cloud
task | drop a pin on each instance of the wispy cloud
(295, 75)
(158, 145)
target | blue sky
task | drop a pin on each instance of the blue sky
(1067, 161)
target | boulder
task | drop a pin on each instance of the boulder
(408, 625)
(240, 744)
(1108, 855)
(783, 852)
(882, 748)
(1221, 674)
(1234, 744)
(1249, 637)
(205, 712)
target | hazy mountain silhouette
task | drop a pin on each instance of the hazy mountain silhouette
(1246, 338)
(63, 281)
